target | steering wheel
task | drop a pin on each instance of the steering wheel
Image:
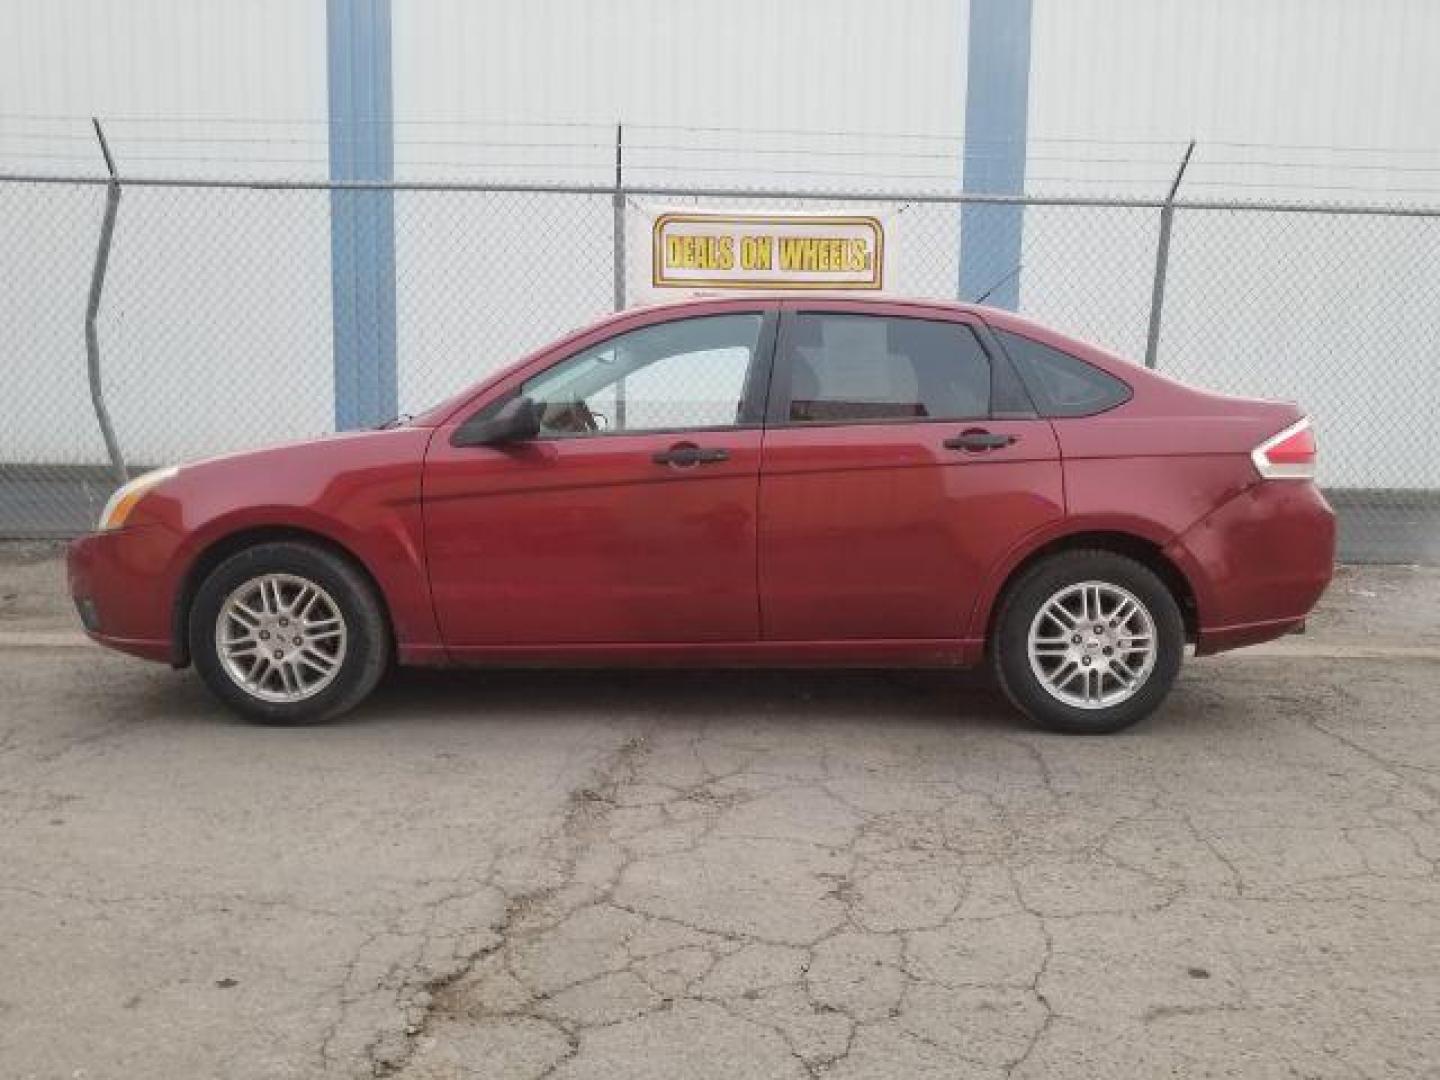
(584, 418)
(573, 417)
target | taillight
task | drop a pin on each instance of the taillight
(1290, 455)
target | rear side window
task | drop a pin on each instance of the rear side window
(1061, 384)
(847, 368)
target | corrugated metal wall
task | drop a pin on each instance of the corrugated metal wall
(197, 299)
(1331, 99)
(808, 94)
(1306, 100)
(1295, 97)
(1327, 99)
(848, 65)
(185, 85)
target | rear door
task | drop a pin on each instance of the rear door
(901, 461)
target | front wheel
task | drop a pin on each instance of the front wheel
(1088, 642)
(287, 633)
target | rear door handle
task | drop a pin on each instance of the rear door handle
(684, 455)
(977, 439)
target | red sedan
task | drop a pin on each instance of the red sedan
(741, 482)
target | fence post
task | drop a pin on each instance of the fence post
(618, 203)
(618, 240)
(1162, 261)
(92, 309)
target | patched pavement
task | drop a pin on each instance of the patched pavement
(726, 874)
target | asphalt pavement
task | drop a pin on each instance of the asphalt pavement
(734, 875)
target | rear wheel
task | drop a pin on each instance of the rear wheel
(288, 632)
(1088, 642)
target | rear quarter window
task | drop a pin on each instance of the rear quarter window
(1061, 384)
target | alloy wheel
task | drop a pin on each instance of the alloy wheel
(1092, 645)
(281, 637)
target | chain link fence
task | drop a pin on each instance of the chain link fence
(215, 329)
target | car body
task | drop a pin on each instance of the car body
(797, 510)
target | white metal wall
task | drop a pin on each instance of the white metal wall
(744, 93)
(1327, 99)
(1307, 100)
(814, 65)
(198, 304)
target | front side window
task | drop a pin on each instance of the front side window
(690, 373)
(847, 368)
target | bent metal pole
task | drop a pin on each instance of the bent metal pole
(1162, 262)
(92, 311)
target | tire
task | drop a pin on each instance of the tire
(322, 675)
(1055, 686)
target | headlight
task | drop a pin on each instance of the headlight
(118, 508)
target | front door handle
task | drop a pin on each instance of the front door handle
(977, 440)
(684, 455)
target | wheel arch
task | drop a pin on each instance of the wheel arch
(1130, 544)
(222, 547)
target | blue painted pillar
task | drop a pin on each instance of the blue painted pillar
(996, 102)
(362, 223)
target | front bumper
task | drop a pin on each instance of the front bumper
(120, 583)
(1259, 563)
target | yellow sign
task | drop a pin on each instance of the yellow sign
(705, 250)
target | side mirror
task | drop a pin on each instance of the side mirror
(517, 421)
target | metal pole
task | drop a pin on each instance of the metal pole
(1162, 261)
(618, 203)
(92, 309)
(619, 244)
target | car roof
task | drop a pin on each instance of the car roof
(878, 299)
(998, 318)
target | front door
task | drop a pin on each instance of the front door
(901, 464)
(632, 518)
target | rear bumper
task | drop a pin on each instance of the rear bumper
(120, 584)
(1258, 563)
(1223, 638)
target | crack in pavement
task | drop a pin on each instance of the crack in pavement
(388, 1052)
(851, 882)
(751, 904)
